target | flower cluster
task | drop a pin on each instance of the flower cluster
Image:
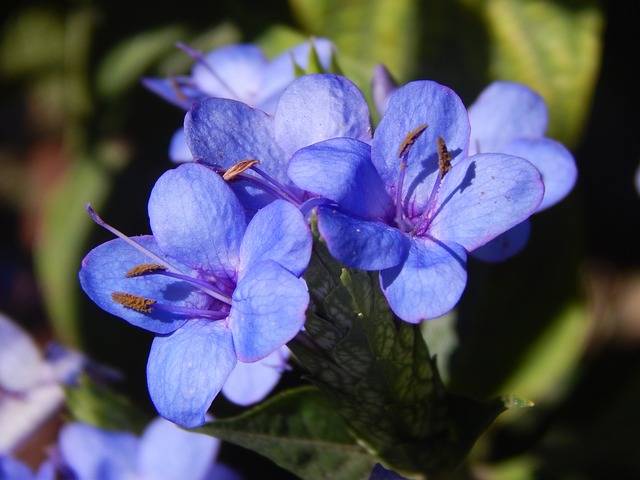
(220, 281)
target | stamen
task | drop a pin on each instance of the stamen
(134, 302)
(403, 153)
(144, 269)
(410, 139)
(148, 305)
(201, 284)
(267, 183)
(444, 158)
(283, 190)
(96, 218)
(161, 267)
(444, 165)
(238, 168)
(199, 57)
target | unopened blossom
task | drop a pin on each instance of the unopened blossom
(420, 202)
(213, 288)
(239, 72)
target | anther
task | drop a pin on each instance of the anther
(410, 139)
(444, 158)
(240, 167)
(403, 153)
(145, 269)
(134, 302)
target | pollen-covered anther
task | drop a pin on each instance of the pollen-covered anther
(145, 269)
(410, 139)
(134, 302)
(444, 158)
(238, 168)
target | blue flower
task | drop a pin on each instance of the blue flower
(31, 390)
(418, 202)
(222, 132)
(163, 451)
(239, 72)
(214, 289)
(511, 118)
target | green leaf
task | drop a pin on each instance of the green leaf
(59, 249)
(366, 33)
(555, 48)
(92, 403)
(123, 67)
(379, 375)
(300, 431)
(551, 359)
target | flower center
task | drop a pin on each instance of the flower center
(419, 227)
(403, 154)
(162, 267)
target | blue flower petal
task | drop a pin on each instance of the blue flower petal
(21, 363)
(196, 219)
(484, 196)
(428, 283)
(505, 111)
(318, 107)
(554, 162)
(362, 244)
(46, 471)
(93, 453)
(103, 273)
(269, 305)
(340, 169)
(188, 368)
(178, 150)
(232, 71)
(277, 232)
(250, 383)
(12, 469)
(223, 132)
(415, 104)
(506, 245)
(170, 453)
